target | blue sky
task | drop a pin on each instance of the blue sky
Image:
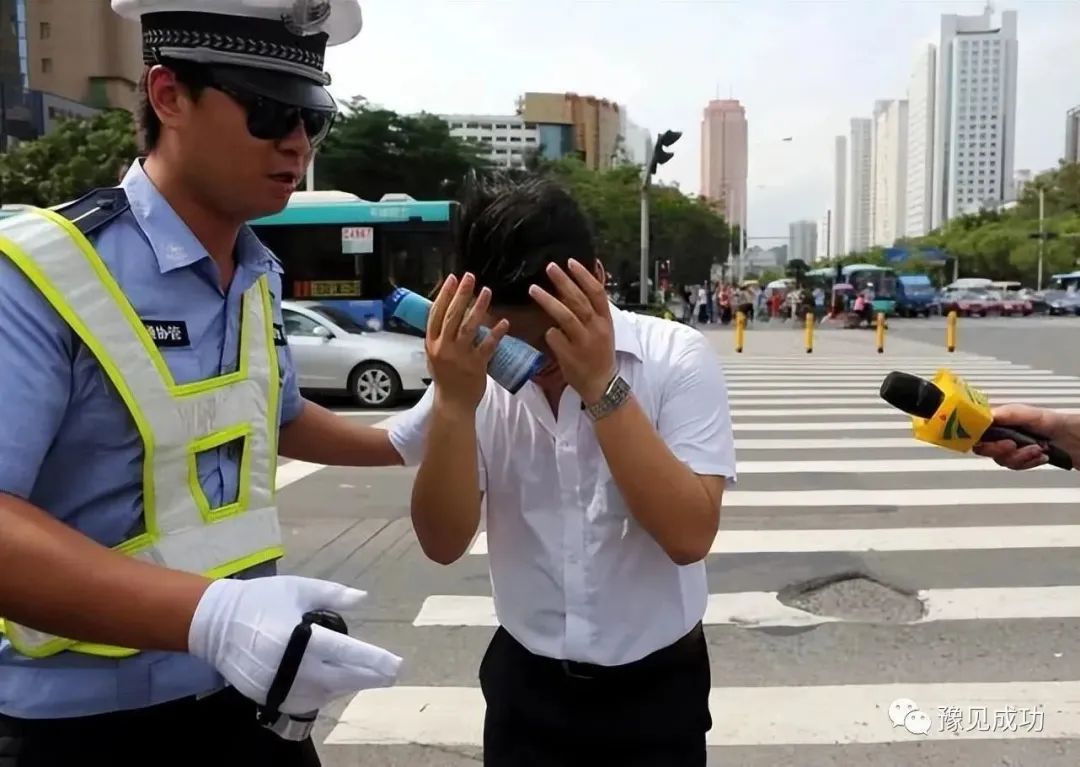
(802, 68)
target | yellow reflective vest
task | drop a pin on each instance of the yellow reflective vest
(175, 421)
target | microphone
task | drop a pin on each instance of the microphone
(951, 414)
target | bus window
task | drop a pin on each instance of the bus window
(334, 245)
(416, 259)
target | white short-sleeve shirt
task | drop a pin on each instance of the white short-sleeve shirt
(573, 575)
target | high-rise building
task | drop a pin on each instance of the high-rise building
(83, 51)
(838, 229)
(974, 114)
(508, 138)
(802, 236)
(635, 142)
(824, 238)
(724, 158)
(571, 124)
(860, 162)
(1021, 178)
(1072, 135)
(889, 172)
(63, 59)
(920, 142)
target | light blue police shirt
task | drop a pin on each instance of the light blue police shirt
(69, 446)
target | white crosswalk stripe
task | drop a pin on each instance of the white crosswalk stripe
(831, 485)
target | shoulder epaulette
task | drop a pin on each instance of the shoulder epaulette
(93, 211)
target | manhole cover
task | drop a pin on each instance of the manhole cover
(854, 597)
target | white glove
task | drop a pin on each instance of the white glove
(241, 628)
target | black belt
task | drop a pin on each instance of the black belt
(663, 658)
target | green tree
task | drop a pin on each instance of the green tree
(796, 269)
(999, 244)
(77, 156)
(685, 231)
(374, 151)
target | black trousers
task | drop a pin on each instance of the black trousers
(549, 713)
(216, 731)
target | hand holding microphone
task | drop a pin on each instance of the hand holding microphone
(1062, 430)
(949, 413)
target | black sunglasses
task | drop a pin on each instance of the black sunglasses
(270, 120)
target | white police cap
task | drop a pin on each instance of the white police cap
(284, 36)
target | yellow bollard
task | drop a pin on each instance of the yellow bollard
(740, 331)
(881, 333)
(950, 332)
(809, 332)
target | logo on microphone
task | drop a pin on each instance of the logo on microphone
(953, 428)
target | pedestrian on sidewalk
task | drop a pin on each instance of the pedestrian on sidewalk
(602, 479)
(146, 392)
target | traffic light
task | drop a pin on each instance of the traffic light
(660, 154)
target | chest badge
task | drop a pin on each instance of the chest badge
(168, 334)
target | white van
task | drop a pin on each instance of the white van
(971, 283)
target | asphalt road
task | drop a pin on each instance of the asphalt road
(854, 567)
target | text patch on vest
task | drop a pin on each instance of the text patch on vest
(168, 334)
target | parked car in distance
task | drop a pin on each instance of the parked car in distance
(334, 354)
(970, 303)
(1059, 302)
(1014, 303)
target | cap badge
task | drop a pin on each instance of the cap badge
(306, 16)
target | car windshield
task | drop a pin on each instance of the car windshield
(339, 318)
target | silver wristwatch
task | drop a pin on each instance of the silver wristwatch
(618, 391)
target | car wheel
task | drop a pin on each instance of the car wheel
(374, 384)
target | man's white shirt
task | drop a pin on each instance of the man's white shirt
(574, 576)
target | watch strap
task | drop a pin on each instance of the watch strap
(618, 391)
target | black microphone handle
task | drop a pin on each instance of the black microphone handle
(1023, 438)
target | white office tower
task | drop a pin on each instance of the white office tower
(506, 138)
(889, 175)
(860, 159)
(974, 114)
(920, 142)
(824, 237)
(802, 241)
(1072, 135)
(838, 229)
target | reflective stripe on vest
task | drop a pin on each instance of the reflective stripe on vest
(175, 421)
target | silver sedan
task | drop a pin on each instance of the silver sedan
(334, 354)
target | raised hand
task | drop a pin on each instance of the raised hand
(458, 364)
(584, 340)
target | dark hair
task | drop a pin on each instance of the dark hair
(189, 74)
(510, 230)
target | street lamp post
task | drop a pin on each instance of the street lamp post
(1042, 236)
(660, 156)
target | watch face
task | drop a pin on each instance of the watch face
(615, 396)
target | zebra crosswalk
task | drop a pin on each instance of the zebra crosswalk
(868, 593)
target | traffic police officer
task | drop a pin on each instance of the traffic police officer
(145, 392)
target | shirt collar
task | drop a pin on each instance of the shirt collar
(172, 241)
(626, 337)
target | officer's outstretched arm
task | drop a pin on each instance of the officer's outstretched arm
(317, 435)
(59, 581)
